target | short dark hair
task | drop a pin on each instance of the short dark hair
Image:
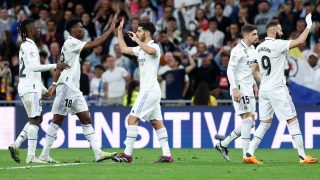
(99, 66)
(272, 24)
(148, 26)
(22, 28)
(248, 28)
(177, 59)
(71, 23)
(219, 4)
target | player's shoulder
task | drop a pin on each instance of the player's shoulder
(238, 48)
(71, 41)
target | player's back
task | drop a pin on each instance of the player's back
(70, 54)
(29, 81)
(272, 56)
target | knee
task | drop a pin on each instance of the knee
(157, 124)
(268, 121)
(246, 115)
(133, 121)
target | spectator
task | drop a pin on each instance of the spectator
(95, 57)
(264, 16)
(132, 94)
(44, 18)
(7, 46)
(176, 87)
(190, 47)
(242, 17)
(114, 79)
(208, 72)
(52, 35)
(202, 96)
(121, 60)
(162, 23)
(165, 44)
(5, 21)
(286, 19)
(46, 75)
(86, 69)
(202, 20)
(174, 34)
(6, 89)
(79, 10)
(96, 84)
(55, 12)
(146, 10)
(66, 16)
(213, 38)
(233, 33)
(54, 53)
(223, 21)
(88, 25)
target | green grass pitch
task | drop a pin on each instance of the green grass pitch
(189, 164)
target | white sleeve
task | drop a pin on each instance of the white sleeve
(136, 50)
(34, 59)
(157, 47)
(233, 63)
(75, 45)
(124, 73)
(283, 45)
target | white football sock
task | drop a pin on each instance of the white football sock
(258, 136)
(163, 139)
(22, 136)
(232, 136)
(132, 133)
(89, 133)
(294, 130)
(245, 134)
(32, 139)
(51, 136)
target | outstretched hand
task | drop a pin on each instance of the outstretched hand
(133, 36)
(114, 21)
(120, 28)
(309, 20)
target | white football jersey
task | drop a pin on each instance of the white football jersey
(241, 58)
(272, 57)
(70, 54)
(30, 69)
(148, 66)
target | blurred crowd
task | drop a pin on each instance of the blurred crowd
(195, 37)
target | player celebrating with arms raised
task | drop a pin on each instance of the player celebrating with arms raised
(273, 95)
(147, 105)
(30, 88)
(242, 87)
(69, 98)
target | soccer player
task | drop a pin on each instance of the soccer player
(69, 98)
(273, 95)
(30, 88)
(147, 105)
(242, 88)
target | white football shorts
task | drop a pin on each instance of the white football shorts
(247, 104)
(67, 100)
(147, 106)
(276, 101)
(32, 103)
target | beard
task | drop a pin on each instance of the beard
(142, 38)
(278, 36)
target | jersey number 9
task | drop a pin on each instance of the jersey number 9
(266, 64)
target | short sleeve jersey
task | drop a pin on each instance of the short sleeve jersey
(242, 57)
(148, 67)
(272, 55)
(70, 54)
(29, 81)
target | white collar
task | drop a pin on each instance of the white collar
(30, 40)
(270, 38)
(150, 42)
(245, 45)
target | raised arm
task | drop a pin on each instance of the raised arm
(123, 46)
(148, 49)
(192, 64)
(303, 36)
(103, 38)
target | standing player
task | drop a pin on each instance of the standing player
(147, 105)
(30, 88)
(274, 96)
(243, 88)
(69, 98)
